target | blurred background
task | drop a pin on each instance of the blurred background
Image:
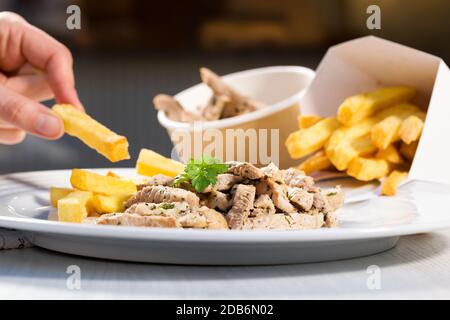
(128, 51)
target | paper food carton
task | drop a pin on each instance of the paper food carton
(368, 63)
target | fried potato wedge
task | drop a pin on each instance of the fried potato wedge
(92, 133)
(411, 128)
(306, 121)
(109, 204)
(367, 169)
(361, 106)
(390, 154)
(305, 141)
(409, 150)
(75, 206)
(150, 163)
(316, 162)
(94, 182)
(390, 184)
(58, 193)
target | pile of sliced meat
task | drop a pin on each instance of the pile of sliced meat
(225, 102)
(246, 197)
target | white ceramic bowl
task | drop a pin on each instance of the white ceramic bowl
(281, 88)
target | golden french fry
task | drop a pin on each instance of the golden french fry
(75, 206)
(150, 163)
(411, 128)
(92, 133)
(108, 204)
(391, 154)
(306, 121)
(344, 153)
(58, 193)
(387, 131)
(90, 181)
(305, 141)
(318, 161)
(358, 107)
(366, 169)
(337, 148)
(390, 184)
(409, 150)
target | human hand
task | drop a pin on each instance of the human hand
(33, 67)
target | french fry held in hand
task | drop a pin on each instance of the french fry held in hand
(361, 106)
(150, 163)
(94, 182)
(75, 206)
(305, 141)
(390, 184)
(92, 133)
(318, 161)
(306, 121)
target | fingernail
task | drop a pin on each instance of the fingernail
(48, 125)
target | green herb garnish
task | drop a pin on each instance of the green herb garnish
(330, 194)
(201, 173)
(166, 206)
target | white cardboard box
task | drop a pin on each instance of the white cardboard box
(366, 63)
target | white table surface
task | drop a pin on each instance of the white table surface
(417, 268)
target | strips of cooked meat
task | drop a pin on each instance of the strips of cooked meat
(158, 194)
(281, 221)
(297, 178)
(137, 220)
(243, 199)
(301, 198)
(214, 109)
(263, 205)
(273, 172)
(156, 180)
(173, 109)
(245, 170)
(218, 200)
(225, 182)
(280, 197)
(214, 219)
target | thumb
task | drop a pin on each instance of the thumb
(28, 115)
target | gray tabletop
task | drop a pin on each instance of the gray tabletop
(416, 268)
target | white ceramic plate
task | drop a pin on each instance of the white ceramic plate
(367, 227)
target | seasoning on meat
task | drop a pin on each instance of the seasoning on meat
(245, 170)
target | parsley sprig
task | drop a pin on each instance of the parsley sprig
(201, 173)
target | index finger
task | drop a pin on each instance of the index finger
(46, 53)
